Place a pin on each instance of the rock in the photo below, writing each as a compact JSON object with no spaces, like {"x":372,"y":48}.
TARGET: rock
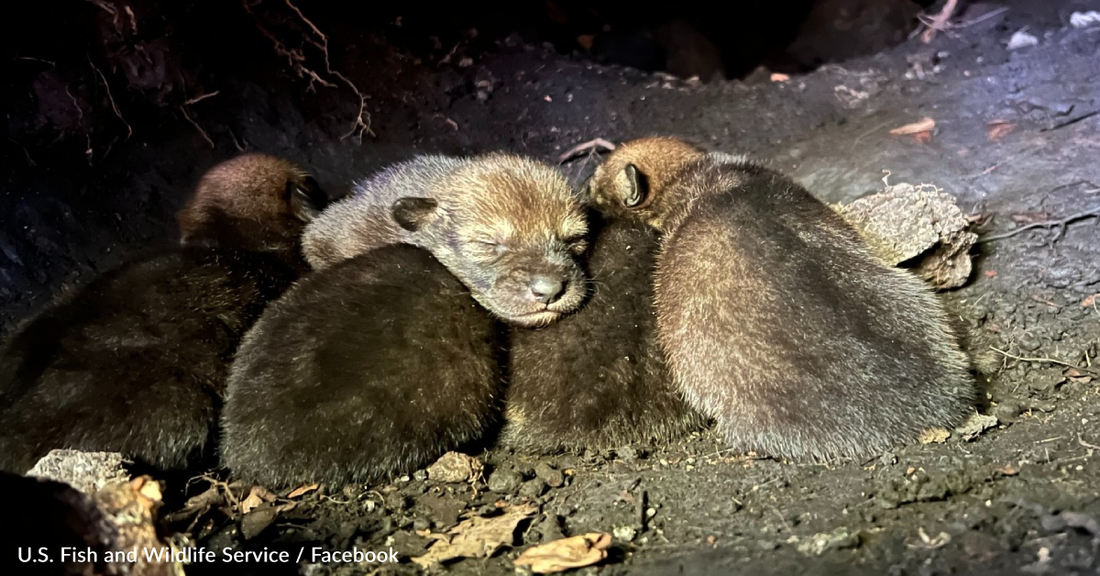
{"x":86,"y":471}
{"x":504,"y":481}
{"x":455,"y":467}
{"x":920,"y":224}
{"x":1084,"y":19}
{"x":975,"y":425}
{"x":532,"y":488}
{"x":838,"y":539}
{"x":256,"y":521}
{"x":552,"y":476}
{"x":1021,"y":39}
{"x":1005,"y":411}
{"x":627,"y":453}
{"x":624,"y":533}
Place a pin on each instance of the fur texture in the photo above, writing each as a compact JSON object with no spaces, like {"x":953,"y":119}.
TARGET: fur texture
{"x":370,"y":368}
{"x":598,"y":378}
{"x":508,"y":227}
{"x":776,"y":318}
{"x":136,"y":361}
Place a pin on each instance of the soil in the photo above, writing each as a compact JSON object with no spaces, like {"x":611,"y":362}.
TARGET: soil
{"x":1016,"y":141}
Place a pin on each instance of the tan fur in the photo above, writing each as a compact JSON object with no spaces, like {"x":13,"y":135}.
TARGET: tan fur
{"x":525,"y":207}
{"x":776,"y":318}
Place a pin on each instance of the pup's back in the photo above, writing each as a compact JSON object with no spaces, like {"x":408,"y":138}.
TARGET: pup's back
{"x":370,"y":368}
{"x":779,"y":322}
{"x":597,"y":378}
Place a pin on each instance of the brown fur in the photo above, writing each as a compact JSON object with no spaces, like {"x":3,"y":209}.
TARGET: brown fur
{"x":597,"y":378}
{"x":776,"y":318}
{"x":136,"y":361}
{"x":253,"y":201}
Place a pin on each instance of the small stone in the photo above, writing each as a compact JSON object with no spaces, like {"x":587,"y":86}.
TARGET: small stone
{"x":420,"y":524}
{"x":1006,"y":411}
{"x":552,"y":476}
{"x":503,"y":481}
{"x":455,"y":467}
{"x":85,"y":471}
{"x":1028,"y":341}
{"x":627,"y":453}
{"x":532,"y":488}
{"x":420,"y":475}
{"x":624,"y":533}
{"x":1021,"y":39}
{"x":838,"y":539}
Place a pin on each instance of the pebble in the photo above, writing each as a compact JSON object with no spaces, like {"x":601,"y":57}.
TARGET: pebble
{"x":552,"y":476}
{"x":532,"y":488}
{"x":504,"y":481}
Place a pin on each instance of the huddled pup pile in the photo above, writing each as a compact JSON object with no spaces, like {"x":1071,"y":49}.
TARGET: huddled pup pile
{"x":449,"y":298}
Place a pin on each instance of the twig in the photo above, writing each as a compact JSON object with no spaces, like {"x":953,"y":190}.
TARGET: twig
{"x":296,"y":59}
{"x":981,"y":18}
{"x":202,"y":132}
{"x":939,"y":21}
{"x":590,"y":145}
{"x":1082,"y":442}
{"x":198,"y":99}
{"x":1071,"y":121}
{"x":1045,"y":224}
{"x":1024,"y":359}
{"x":33,"y":59}
{"x":129,"y":130}
{"x":360,"y":125}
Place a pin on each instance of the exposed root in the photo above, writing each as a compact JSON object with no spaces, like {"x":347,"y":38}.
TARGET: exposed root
{"x":202,"y":132}
{"x":939,"y":21}
{"x":129,"y":129}
{"x":198,"y":99}
{"x":297,"y":61}
{"x":1060,"y":224}
{"x":590,"y":146}
{"x":1025,"y":359}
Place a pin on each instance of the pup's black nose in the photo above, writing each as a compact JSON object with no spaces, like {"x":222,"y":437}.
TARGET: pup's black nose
{"x":547,"y":289}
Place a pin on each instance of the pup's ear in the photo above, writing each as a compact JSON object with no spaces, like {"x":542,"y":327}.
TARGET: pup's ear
{"x":637,"y":187}
{"x":412,"y":213}
{"x":306,"y":199}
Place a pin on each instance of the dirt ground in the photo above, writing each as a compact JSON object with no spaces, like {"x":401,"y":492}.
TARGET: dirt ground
{"x":1017,"y":139}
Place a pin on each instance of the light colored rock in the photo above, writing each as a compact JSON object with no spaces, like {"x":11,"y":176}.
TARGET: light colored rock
{"x":86,"y":471}
{"x":921,"y":225}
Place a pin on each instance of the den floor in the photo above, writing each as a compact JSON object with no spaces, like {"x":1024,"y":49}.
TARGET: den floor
{"x":1016,"y":140}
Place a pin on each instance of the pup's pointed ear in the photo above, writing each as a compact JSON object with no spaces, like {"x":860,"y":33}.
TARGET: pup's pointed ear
{"x":412,"y":213}
{"x":306,"y":199}
{"x":637,"y":187}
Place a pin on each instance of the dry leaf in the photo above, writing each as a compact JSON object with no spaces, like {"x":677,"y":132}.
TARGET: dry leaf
{"x":1089,"y":301}
{"x":561,"y":555}
{"x":779,"y":77}
{"x":1076,"y":376}
{"x":256,"y":496}
{"x":999,"y":128}
{"x":975,"y":425}
{"x":585,"y":40}
{"x":302,"y":490}
{"x":925,"y":125}
{"x":934,"y":435}
{"x":990,"y":273}
{"x":1029,"y":217}
{"x":1007,"y":470}
{"x":477,"y":537}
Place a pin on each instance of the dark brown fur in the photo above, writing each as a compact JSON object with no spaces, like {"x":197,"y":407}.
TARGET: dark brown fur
{"x":776,"y":318}
{"x":367,"y":369}
{"x":136,"y":361}
{"x":597,"y":378}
